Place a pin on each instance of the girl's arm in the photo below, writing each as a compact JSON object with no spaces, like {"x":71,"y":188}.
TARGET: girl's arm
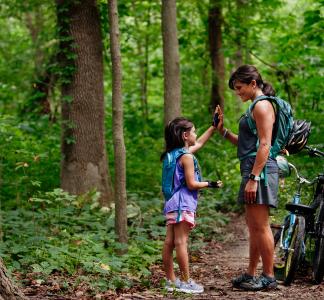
{"x":264,"y":117}
{"x":189,"y":170}
{"x":225,"y":133}
{"x":202,"y":139}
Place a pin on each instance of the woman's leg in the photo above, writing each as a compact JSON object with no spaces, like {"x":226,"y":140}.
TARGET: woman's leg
{"x":181,"y":234}
{"x":254,"y":253}
{"x":167,"y":253}
{"x":261,"y":238}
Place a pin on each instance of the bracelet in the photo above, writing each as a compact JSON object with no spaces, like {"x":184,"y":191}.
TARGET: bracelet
{"x":225,"y":133}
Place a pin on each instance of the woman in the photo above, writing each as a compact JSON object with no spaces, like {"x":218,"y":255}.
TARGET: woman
{"x":257,"y":195}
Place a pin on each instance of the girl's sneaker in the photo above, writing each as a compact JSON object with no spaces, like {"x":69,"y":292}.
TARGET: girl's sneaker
{"x":171,"y":286}
{"x":191,"y":287}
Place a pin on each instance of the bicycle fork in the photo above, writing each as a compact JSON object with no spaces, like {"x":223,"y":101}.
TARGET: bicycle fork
{"x":284,"y":243}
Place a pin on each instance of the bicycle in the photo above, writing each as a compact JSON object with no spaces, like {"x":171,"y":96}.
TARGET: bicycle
{"x":303,"y":222}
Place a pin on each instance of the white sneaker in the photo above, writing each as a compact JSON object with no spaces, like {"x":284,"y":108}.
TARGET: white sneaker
{"x":171,"y":286}
{"x":190,"y":287}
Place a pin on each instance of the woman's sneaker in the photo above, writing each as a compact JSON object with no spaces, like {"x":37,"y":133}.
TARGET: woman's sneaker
{"x":264,"y":282}
{"x":268,"y":283}
{"x":242,"y":278}
{"x":171,"y":286}
{"x":191,"y":287}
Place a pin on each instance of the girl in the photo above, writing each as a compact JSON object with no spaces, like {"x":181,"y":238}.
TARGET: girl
{"x":255,"y":194}
{"x":180,"y":209}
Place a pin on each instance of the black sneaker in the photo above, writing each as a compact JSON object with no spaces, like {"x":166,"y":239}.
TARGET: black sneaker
{"x":264,"y":282}
{"x":268,"y":283}
{"x":241,"y":278}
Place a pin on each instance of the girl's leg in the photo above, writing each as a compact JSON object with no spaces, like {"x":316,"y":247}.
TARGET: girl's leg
{"x":261,"y":237}
{"x":181,"y":234}
{"x":167,"y":253}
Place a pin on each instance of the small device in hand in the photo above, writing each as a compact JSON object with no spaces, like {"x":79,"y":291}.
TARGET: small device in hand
{"x":215,"y":184}
{"x":216,"y":119}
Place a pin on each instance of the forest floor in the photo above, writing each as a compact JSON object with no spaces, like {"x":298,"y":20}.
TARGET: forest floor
{"x":213,"y":266}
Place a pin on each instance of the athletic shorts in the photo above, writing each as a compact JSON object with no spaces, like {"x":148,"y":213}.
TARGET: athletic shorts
{"x":267,"y":195}
{"x":173,"y":217}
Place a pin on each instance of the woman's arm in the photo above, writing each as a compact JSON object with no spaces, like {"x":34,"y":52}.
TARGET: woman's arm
{"x":202,"y":139}
{"x":232,"y":137}
{"x":264,"y":117}
{"x":189,"y":170}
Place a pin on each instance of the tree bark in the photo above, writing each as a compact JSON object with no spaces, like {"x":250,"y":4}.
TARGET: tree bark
{"x":215,"y":21}
{"x":143,"y":56}
{"x":84,"y":159}
{"x":118,"y":132}
{"x":172,"y":82}
{"x":8,"y":291}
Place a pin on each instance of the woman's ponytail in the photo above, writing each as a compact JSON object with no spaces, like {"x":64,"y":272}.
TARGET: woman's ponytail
{"x":267,"y":89}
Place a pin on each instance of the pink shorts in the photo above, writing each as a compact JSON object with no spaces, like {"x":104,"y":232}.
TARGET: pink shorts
{"x":186,"y":216}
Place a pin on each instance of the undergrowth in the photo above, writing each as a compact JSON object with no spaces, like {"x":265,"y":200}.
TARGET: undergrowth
{"x":55,"y":232}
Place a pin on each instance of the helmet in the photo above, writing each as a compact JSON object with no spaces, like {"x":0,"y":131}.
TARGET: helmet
{"x":284,"y":169}
{"x":300,"y":132}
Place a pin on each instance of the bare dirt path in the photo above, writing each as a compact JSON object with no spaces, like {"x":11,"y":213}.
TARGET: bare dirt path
{"x":215,"y":265}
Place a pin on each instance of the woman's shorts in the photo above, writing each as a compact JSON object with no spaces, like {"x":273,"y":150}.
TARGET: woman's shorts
{"x":173,"y":217}
{"x":267,"y":195}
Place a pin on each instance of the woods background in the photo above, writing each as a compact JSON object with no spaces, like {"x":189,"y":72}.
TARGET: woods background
{"x":69,"y":149}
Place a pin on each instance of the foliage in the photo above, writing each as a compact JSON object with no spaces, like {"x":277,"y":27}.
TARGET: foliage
{"x":58,"y":232}
{"x":46,"y":232}
{"x":27,"y":165}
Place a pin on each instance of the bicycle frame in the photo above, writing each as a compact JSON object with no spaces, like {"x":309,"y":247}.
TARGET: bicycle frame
{"x":284,"y":244}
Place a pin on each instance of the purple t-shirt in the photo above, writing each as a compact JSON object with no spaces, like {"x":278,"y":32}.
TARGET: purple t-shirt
{"x":184,"y":199}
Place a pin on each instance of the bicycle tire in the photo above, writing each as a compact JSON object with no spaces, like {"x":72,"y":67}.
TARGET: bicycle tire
{"x":318,"y":263}
{"x":287,"y":262}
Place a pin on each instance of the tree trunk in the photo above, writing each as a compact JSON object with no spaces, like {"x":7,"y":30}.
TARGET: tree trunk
{"x":239,"y":33}
{"x":172,"y":83}
{"x":215,"y":21}
{"x":118,"y":133}
{"x":84,"y":159}
{"x":8,"y":291}
{"x":143,"y":57}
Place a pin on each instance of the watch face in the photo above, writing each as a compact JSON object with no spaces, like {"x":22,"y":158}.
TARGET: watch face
{"x":254,"y":177}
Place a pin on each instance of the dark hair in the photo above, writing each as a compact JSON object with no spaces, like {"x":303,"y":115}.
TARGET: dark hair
{"x":173,"y":134}
{"x":246,"y":74}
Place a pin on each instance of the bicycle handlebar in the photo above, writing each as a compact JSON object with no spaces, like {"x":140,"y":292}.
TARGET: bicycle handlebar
{"x":300,"y":178}
{"x":313,"y":152}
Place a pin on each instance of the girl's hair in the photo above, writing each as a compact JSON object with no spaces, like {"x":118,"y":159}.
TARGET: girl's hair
{"x":173,"y":134}
{"x":246,"y":74}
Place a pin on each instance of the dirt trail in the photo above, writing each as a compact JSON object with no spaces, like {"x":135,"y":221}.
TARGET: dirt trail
{"x":217,"y":264}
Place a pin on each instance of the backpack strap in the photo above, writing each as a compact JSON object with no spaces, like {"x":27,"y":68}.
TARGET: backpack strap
{"x":250,"y":121}
{"x":252,"y":126}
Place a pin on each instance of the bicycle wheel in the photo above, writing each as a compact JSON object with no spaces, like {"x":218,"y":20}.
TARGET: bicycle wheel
{"x":286,"y":261}
{"x":318,"y":264}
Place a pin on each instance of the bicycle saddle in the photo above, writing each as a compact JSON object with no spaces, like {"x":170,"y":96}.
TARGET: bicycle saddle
{"x":300,"y":209}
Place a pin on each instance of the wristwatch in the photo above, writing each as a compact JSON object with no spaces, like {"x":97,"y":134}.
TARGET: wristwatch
{"x":254,"y":177}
